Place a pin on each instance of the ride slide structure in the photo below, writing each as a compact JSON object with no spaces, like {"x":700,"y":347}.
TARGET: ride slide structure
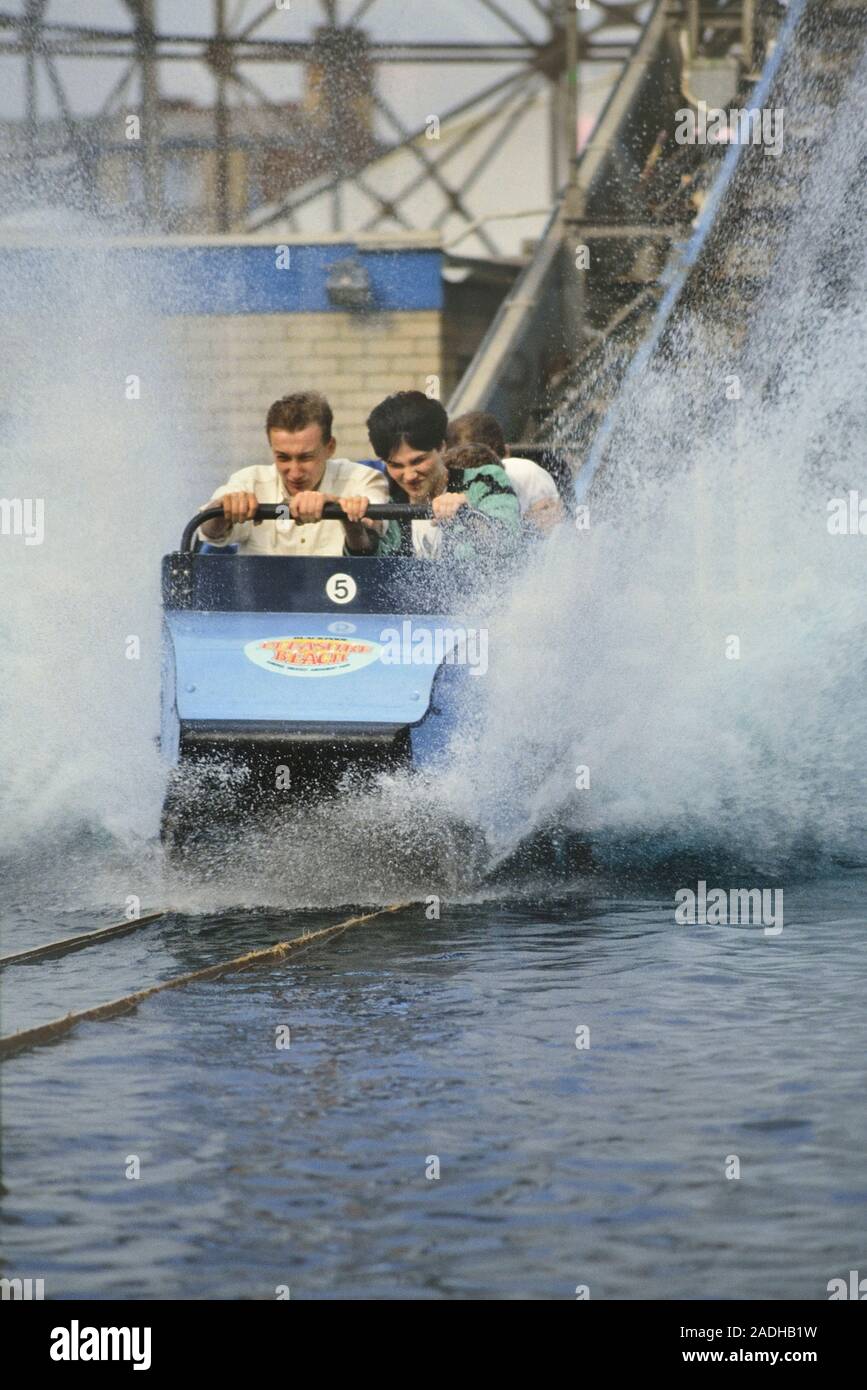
{"x":654,"y":224}
{"x":719,"y":276}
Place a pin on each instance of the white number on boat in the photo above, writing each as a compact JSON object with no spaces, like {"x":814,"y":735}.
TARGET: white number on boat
{"x":341,"y":588}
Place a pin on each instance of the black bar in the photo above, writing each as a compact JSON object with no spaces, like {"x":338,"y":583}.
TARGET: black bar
{"x":202,"y":1338}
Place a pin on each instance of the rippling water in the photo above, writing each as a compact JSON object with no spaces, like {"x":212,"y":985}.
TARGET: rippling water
{"x":306,"y":1166}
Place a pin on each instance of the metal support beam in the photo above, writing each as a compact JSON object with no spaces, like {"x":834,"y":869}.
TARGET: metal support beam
{"x":620,"y":231}
{"x":151,"y":135}
{"x":117,"y":90}
{"x":693,"y":26}
{"x":260,"y":18}
{"x":452,"y":195}
{"x":481,"y":123}
{"x":571,"y":93}
{"x":357,"y":15}
{"x":748,"y":34}
{"x":573,"y":291}
{"x":488,"y":153}
{"x":508,"y":20}
{"x":221,"y":116}
{"x":73,"y":133}
{"x":32,"y":35}
{"x":555,"y":138}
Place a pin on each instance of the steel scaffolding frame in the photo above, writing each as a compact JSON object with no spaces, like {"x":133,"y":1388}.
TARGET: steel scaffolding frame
{"x":542,"y":46}
{"x":539,"y":56}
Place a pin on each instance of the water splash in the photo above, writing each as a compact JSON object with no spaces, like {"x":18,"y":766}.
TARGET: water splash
{"x":613,"y":653}
{"x":700,"y":650}
{"x":92,"y":428}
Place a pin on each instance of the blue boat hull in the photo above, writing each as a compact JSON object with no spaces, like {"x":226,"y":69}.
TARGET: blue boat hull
{"x":285,"y":679}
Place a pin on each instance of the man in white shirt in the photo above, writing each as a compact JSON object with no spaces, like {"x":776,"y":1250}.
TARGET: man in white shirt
{"x":304,"y":476}
{"x":538,"y":498}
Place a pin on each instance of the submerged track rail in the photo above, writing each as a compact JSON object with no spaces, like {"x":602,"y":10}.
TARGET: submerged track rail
{"x":29,"y":1038}
{"x":67,"y":944}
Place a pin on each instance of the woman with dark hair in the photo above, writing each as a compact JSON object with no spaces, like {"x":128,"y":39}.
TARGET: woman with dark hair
{"x":408,"y":432}
{"x":541,"y":508}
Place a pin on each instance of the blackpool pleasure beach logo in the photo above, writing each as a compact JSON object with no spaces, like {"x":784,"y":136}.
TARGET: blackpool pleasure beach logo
{"x":311,"y":656}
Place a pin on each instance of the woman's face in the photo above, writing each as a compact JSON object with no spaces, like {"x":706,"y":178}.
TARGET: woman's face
{"x":420,"y":472}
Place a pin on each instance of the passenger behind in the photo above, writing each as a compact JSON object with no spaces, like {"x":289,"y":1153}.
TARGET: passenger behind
{"x":304,"y":476}
{"x":408,"y":432}
{"x":539,"y":500}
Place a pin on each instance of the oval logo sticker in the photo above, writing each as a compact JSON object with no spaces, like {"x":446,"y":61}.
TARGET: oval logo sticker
{"x":311,"y":656}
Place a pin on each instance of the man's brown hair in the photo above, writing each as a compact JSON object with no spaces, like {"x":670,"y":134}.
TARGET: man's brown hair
{"x":299,"y":410}
{"x":470,"y":456}
{"x":477,"y":427}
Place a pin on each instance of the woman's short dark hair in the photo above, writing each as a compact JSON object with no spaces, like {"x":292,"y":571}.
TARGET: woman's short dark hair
{"x":296,"y":412}
{"x":477,"y":427}
{"x":470,"y":456}
{"x":407,"y":417}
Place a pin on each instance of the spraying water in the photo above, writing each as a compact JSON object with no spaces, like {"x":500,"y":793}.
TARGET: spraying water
{"x":686,"y":675}
{"x":93,"y":437}
{"x":698,"y":679}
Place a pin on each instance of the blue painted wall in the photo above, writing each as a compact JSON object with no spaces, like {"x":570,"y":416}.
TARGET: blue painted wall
{"x":240,"y":279}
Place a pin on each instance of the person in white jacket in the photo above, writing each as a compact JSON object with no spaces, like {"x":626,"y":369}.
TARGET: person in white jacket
{"x":304,"y":476}
{"x":538,"y":498}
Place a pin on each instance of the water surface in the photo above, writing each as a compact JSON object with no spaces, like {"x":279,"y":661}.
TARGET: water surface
{"x":454,"y":1039}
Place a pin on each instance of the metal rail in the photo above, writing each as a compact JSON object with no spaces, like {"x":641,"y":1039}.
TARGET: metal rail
{"x":66,"y":945}
{"x":28,"y":1038}
{"x":332,"y":511}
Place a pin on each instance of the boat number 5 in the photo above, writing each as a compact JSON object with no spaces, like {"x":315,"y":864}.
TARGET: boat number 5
{"x":341,"y":588}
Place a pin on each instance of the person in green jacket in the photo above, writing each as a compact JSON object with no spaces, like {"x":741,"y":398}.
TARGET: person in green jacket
{"x":475,"y":508}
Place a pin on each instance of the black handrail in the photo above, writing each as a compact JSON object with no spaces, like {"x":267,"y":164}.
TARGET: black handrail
{"x":274,"y":511}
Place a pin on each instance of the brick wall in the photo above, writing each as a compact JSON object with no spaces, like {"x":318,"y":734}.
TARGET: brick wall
{"x":234,"y":366}
{"x":222,"y":326}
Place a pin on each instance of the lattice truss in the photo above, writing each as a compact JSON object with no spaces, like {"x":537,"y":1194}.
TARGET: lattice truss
{"x":453,"y":178}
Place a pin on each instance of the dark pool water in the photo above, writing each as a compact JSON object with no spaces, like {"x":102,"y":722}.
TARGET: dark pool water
{"x":452,"y":1040}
